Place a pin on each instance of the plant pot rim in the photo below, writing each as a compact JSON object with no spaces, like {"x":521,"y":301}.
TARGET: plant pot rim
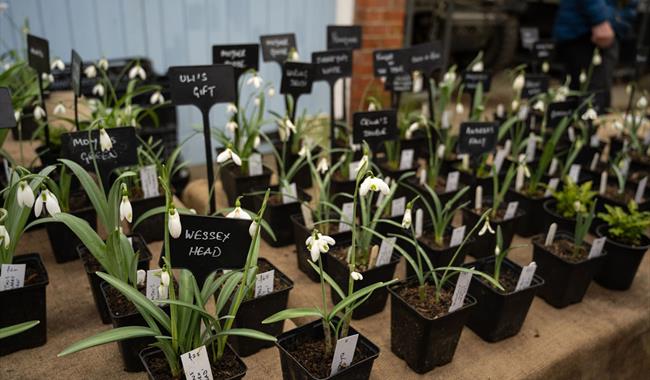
{"x":536,"y":283}
{"x":147,"y":351}
{"x":259,"y":194}
{"x":538,"y":239}
{"x":600,"y":232}
{"x":416,"y":182}
{"x":470,"y":240}
{"x":283,"y":278}
{"x":40,"y":267}
{"x":234,"y":169}
{"x":607,"y":200}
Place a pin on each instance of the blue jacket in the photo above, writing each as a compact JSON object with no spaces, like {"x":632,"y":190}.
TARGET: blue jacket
{"x":575,"y":18}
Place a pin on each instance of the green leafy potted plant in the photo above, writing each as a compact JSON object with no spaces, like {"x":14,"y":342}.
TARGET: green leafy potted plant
{"x":566,"y":203}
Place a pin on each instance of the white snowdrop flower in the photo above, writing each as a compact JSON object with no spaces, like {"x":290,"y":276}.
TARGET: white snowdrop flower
{"x":24,"y":195}
{"x":192,"y":211}
{"x":318,"y":243}
{"x":141,"y":277}
{"x":231,"y":126}
{"x":270,"y":92}
{"x":618,"y":125}
{"x":90,"y":71}
{"x":583,"y":77}
{"x":285,"y":128}
{"x":228,"y":154}
{"x":486,"y":228}
{"x":98,"y":89}
{"x":407,"y":219}
{"x":93,"y":104}
{"x":49,"y":200}
{"x":449,"y":78}
{"x":105,"y":142}
{"x":372,"y":183}
{"x":440,"y":152}
{"x":252,"y":229}
{"x":372,"y":107}
{"x":126,"y":211}
{"x":231,"y":108}
{"x":238,"y":213}
{"x":17,"y":115}
{"x":459,"y":108}
{"x":497,"y":250}
{"x":137,"y":71}
{"x":518,"y":83}
{"x":356,"y":276}
{"x":642,"y":103}
{"x":590,"y":114}
{"x":4,"y":236}
{"x":303,"y":150}
{"x":293,"y":55}
{"x":257,"y":101}
{"x":412,"y":128}
{"x":163,"y":292}
{"x":174,"y":223}
{"x":39,"y":113}
{"x":47,"y":77}
{"x":546,"y":67}
{"x":577,"y":206}
{"x":59,"y":109}
{"x":596,"y":60}
{"x":257,"y":141}
{"x":57,"y":64}
{"x":103,"y":64}
{"x":165,"y":278}
{"x":501,"y":110}
{"x":539,"y":106}
{"x":514,"y":105}
{"x":478,"y":66}
{"x":323,"y":165}
{"x":157,"y":97}
{"x":255,"y":80}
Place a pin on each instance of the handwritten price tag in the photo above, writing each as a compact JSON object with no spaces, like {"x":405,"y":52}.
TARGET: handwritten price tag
{"x":255,"y":164}
{"x":457,"y":236}
{"x":344,"y":353}
{"x":149,"y":181}
{"x":197,"y":365}
{"x":526,"y":276}
{"x":462,"y":285}
{"x":596,"y":247}
{"x":153,"y":282}
{"x":264,"y":283}
{"x":385,"y":251}
{"x":12,"y":276}
{"x":290,"y":194}
{"x":511,"y":210}
{"x":398,"y":206}
{"x":346,"y":217}
{"x":452,"y":181}
{"x":406,"y":159}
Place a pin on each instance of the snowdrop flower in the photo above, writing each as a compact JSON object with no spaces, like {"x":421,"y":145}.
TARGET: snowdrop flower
{"x":126,"y":211}
{"x":270,"y":92}
{"x":318,"y":243}
{"x":356,"y":276}
{"x":440,"y":152}
{"x":157,"y":97}
{"x":449,"y":78}
{"x":497,"y":250}
{"x":590,"y":114}
{"x":577,"y":206}
{"x":231,"y":126}
{"x":285,"y":128}
{"x":546,"y":67}
{"x":4,"y":236}
{"x":49,"y":200}
{"x":17,"y":115}
{"x":501,"y":110}
{"x":255,"y":80}
{"x":596,"y":60}
{"x":24,"y":195}
{"x":257,"y":141}
{"x":478,"y":66}
{"x":98,"y":89}
{"x":228,"y":154}
{"x":253,"y":229}
{"x":39,"y":113}
{"x":238,"y":213}
{"x":372,"y":183}
{"x":57,"y":64}
{"x":322,"y":166}
{"x":174,"y":223}
{"x":293,"y":55}
{"x":257,"y":101}
{"x":618,"y":125}
{"x":59,"y":109}
{"x":459,"y":108}
{"x":372,"y":107}
{"x":303,"y":150}
{"x":163,"y":292}
{"x":486,"y":228}
{"x":514,"y":105}
{"x":141,"y":277}
{"x":539,"y":106}
{"x":561,"y":93}
{"x":165,"y":279}
{"x":105,"y":142}
{"x":407,"y":219}
{"x":412,"y":128}
{"x":103,"y":64}
{"x":518,"y":83}
{"x":137,"y":71}
{"x":90,"y":71}
{"x":583,"y":77}
{"x":47,"y":77}
{"x":642,"y":103}
{"x":231,"y":108}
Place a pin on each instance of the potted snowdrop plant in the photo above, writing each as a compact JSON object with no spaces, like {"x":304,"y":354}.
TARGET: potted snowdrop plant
{"x":619,"y":191}
{"x":23,"y":278}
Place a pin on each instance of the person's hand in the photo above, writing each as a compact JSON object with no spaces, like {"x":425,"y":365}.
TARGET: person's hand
{"x":602,"y":35}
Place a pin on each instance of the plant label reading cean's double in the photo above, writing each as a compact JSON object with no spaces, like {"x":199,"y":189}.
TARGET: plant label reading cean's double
{"x":241,"y":57}
{"x":297,"y":78}
{"x":343,"y":37}
{"x":374,"y":127}
{"x":477,"y":138}
{"x":38,"y":54}
{"x":202,"y":86}
{"x":82,"y":147}
{"x":7,"y":117}
{"x":276,"y":47}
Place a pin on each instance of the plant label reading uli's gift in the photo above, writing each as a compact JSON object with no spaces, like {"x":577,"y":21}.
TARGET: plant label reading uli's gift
{"x":240,"y":57}
{"x":526,"y":276}
{"x":7,"y":117}
{"x":208,"y":243}
{"x":12,"y":276}
{"x":344,"y":353}
{"x":264,"y":283}
{"x":343,"y":37}
{"x":477,"y":138}
{"x":82,"y":147}
{"x":596,"y":247}
{"x":458,"y":299}
{"x":471,"y":80}
{"x":149,"y":181}
{"x":374,"y":127}
{"x":276,"y":47}
{"x":196,"y":364}
{"x":153,"y":283}
{"x":38,"y":54}
{"x":385,"y":251}
{"x":331,"y":65}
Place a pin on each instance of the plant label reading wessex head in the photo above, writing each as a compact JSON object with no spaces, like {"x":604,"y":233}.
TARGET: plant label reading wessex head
{"x":7,"y":117}
{"x":543,"y":49}
{"x":276,"y":47}
{"x":331,"y":65}
{"x":374,"y":127}
{"x":202,"y":86}
{"x":82,"y":147}
{"x":389,"y":62}
{"x":425,"y":57}
{"x":241,"y":57}
{"x":38,"y":54}
{"x":471,"y":79}
{"x":297,"y":78}
{"x":343,"y":37}
{"x":208,"y":243}
{"x":477,"y":138}
{"x":534,"y":84}
{"x":75,"y":72}
{"x":556,"y":111}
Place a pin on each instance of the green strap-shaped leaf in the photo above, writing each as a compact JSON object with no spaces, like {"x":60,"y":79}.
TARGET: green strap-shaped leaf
{"x":112,"y":335}
{"x":294,"y":313}
{"x":17,"y":329}
{"x":249,"y":333}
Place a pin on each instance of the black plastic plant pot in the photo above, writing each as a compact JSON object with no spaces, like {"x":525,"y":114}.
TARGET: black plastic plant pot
{"x":552,"y":216}
{"x":151,"y":229}
{"x":278,"y":216}
{"x":151,"y":358}
{"x":340,"y":272}
{"x":292,"y":369}
{"x":423,"y":342}
{"x":236,"y":183}
{"x":92,"y":266}
{"x":529,"y":224}
{"x":565,"y":282}
{"x":498,"y":315}
{"x":253,"y":311}
{"x":300,"y":235}
{"x":25,"y":304}
{"x":439,"y":256}
{"x":63,"y":240}
{"x":621,"y":263}
{"x":484,"y":245}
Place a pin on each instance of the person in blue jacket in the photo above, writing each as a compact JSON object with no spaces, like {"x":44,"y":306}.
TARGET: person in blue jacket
{"x":583,"y":25}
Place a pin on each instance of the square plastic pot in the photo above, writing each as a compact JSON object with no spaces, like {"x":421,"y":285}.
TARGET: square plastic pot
{"x":149,"y":354}
{"x":63,"y":240}
{"x":621,"y":263}
{"x":529,"y":224}
{"x":236,"y":183}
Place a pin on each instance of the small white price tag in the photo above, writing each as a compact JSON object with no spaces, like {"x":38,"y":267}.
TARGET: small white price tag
{"x":572,"y":134}
{"x":419,"y":222}
{"x":422,"y":176}
{"x":264,"y":283}
{"x":640,"y":189}
{"x":153,"y":282}
{"x":452,"y":181}
{"x":526,"y":276}
{"x":462,"y":285}
{"x":511,"y":210}
{"x":307,"y":217}
{"x":530,"y":148}
{"x":385,"y":251}
{"x":594,"y":162}
{"x":552,"y":185}
{"x":406,"y":159}
{"x":445,"y":120}
{"x":196,"y":364}
{"x":149,"y":181}
{"x":646,"y":139}
{"x":594,"y":141}
{"x":574,"y":172}
{"x":596,"y":247}
{"x":457,"y":236}
{"x":344,"y":353}
{"x":290,"y":194}
{"x":255,"y":164}
{"x":354,"y":168}
{"x":346,"y":218}
{"x":397,"y":206}
{"x":12,"y":276}
{"x":498,"y":160}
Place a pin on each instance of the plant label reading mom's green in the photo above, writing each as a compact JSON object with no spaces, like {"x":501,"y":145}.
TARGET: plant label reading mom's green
{"x":477,"y":138}
{"x":82,"y":147}
{"x":208,"y":243}
{"x":374,"y":127}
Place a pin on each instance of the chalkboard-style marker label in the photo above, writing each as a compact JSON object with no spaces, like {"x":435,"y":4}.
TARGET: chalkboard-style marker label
{"x":556,"y":111}
{"x":399,"y":83}
{"x":38,"y":54}
{"x":242,"y":57}
{"x":75,"y":72}
{"x":202,"y":86}
{"x":425,"y":57}
{"x":297,"y":78}
{"x":471,"y":79}
{"x":7,"y":117}
{"x":477,"y":138}
{"x":389,"y":62}
{"x":331,"y":65}
{"x":343,"y":37}
{"x":276,"y":47}
{"x":534,"y":84}
{"x":209,"y":243}
{"x":374,"y":127}
{"x":76,"y":146}
{"x":543,"y":49}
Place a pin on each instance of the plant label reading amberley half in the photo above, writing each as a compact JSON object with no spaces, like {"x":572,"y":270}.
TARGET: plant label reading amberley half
{"x":276,"y":47}
{"x":477,"y":138}
{"x":196,"y":364}
{"x":241,"y":57}
{"x":202,"y":86}
{"x":344,"y":353}
{"x":543,"y":49}
{"x":297,"y":78}
{"x":7,"y":117}
{"x":471,"y":79}
{"x":374,"y":127}
{"x":331,"y":65}
{"x":208,"y":243}
{"x":12,"y":276}
{"x":82,"y":147}
{"x":534,"y":84}
{"x":38,"y":54}
{"x":343,"y":37}
{"x":75,"y":72}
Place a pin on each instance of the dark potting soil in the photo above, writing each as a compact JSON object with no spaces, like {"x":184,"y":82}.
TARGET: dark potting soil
{"x":340,"y":253}
{"x":429,"y":238}
{"x":310,"y":352}
{"x":611,"y":192}
{"x":637,"y":176}
{"x":119,"y":304}
{"x":225,"y":368}
{"x":427,"y":307}
{"x":563,"y":248}
{"x":508,"y":278}
{"x":91,"y":261}
{"x":645,"y":159}
{"x":78,"y":201}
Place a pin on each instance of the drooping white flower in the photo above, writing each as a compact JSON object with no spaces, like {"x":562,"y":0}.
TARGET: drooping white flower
{"x":24,"y":195}
{"x":459,"y":108}
{"x":539,"y":106}
{"x":39,"y":113}
{"x":577,"y":206}
{"x":270,"y":92}
{"x":356,"y":276}
{"x":59,"y":109}
{"x":103,"y":63}
{"x":238,"y":213}
{"x":49,"y":200}
{"x":257,"y":101}
{"x":137,"y":71}
{"x":285,"y":128}
{"x":546,"y":67}
{"x":372,"y":183}
{"x":486,"y":227}
{"x":90,"y":71}
{"x":501,"y":110}
{"x":518,"y":83}
{"x":228,"y":154}
{"x":478,"y":66}
{"x":231,"y":108}
{"x":372,"y":107}
{"x":105,"y":142}
{"x":618,"y":125}
{"x":440,"y":152}
{"x":590,"y":114}
{"x":163,"y":292}
{"x":231,"y":126}
{"x":126,"y":211}
{"x":407,"y":219}
{"x":449,"y":78}
{"x":57,"y":64}
{"x":165,"y":279}
{"x":174,"y":223}
{"x":642,"y":103}
{"x":17,"y":115}
{"x":98,"y":89}
{"x":47,"y":77}
{"x":497,"y":250}
{"x":514,"y":105}
{"x":412,"y":128}
{"x":255,"y":80}
{"x":323,"y":165}
{"x":293,"y":55}
{"x":583,"y":77}
{"x":257,"y":141}
{"x":318,"y":243}
{"x":157,"y":97}
{"x":4,"y":236}
{"x":252,"y":229}
{"x":141,"y":277}
{"x":596,"y":59}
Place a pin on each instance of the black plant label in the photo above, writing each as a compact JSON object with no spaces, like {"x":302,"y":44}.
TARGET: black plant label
{"x":38,"y":54}
{"x":331,"y":65}
{"x":276,"y":47}
{"x":543,"y":49}
{"x":241,"y":57}
{"x":297,"y":78}
{"x":343,"y":37}
{"x":7,"y":117}
{"x":82,"y":147}
{"x":202,"y":86}
{"x":471,"y":79}
{"x":374,"y":127}
{"x":477,"y":138}
{"x":534,"y":85}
